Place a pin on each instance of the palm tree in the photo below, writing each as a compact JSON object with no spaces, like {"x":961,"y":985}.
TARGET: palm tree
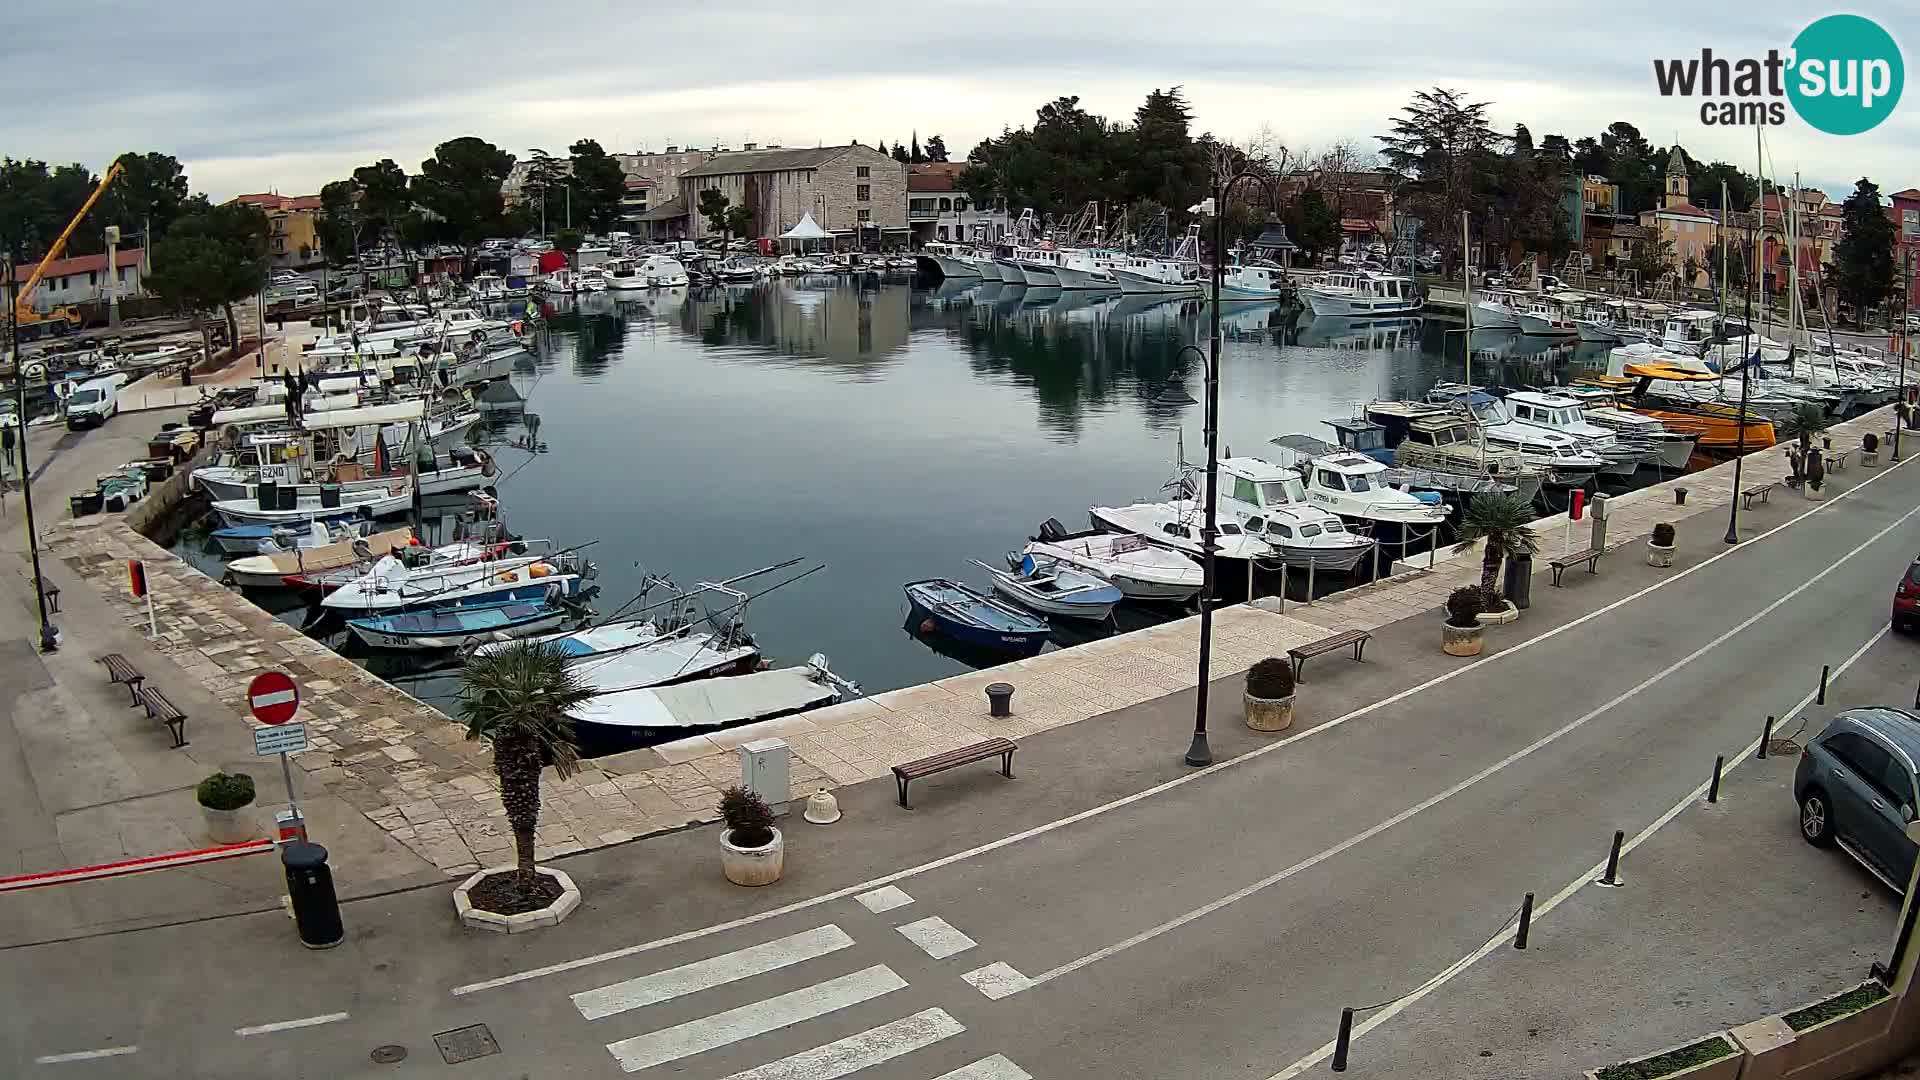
{"x":1500,"y":520}
{"x":521,"y":700}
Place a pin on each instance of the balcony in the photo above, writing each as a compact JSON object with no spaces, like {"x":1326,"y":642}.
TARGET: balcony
{"x":916,"y":214}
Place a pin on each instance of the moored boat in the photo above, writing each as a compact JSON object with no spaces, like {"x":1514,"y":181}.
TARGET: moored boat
{"x":950,"y":608}
{"x":1052,"y":588}
{"x":1141,"y":570}
{"x":454,"y":627}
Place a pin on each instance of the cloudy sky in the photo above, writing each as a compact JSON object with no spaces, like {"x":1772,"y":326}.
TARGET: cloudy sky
{"x":285,"y":98}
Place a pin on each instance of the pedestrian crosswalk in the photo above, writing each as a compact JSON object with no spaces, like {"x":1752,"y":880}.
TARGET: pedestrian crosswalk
{"x":812,"y":954}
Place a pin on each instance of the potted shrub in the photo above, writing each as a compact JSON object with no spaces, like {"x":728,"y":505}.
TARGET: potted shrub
{"x":752,"y":852}
{"x":1660,"y":545}
{"x":1496,"y":610}
{"x":1461,"y":633}
{"x":224,"y":798}
{"x":1501,"y":521}
{"x":1269,"y":697}
{"x":521,"y":700}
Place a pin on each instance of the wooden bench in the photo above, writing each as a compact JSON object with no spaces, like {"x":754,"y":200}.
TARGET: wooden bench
{"x":1560,"y":565}
{"x":159,"y":708}
{"x":119,"y":671}
{"x":1356,"y":638}
{"x":1758,"y":491}
{"x":1837,"y":460}
{"x":953,"y":759}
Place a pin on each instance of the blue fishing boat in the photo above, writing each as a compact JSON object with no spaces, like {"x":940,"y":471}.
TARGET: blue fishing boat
{"x":951,"y":608}
{"x":452,"y":627}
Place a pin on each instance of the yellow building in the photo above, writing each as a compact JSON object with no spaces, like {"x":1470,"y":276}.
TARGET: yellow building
{"x":293,"y":228}
{"x":1689,"y":229}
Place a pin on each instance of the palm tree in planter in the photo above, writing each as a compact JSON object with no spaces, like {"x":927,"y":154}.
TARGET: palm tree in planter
{"x":1501,"y":521}
{"x":1807,"y":421}
{"x":521,"y":700}
{"x":1269,"y":694}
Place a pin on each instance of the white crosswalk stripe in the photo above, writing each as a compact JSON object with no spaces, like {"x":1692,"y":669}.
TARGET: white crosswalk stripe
{"x":855,"y":1052}
{"x":705,"y":974}
{"x":996,"y":1067}
{"x":936,"y":937}
{"x":756,"y":1018}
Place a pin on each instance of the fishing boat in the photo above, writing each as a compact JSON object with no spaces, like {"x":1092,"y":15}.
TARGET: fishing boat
{"x":270,"y":508}
{"x":391,"y":584}
{"x":1149,"y":274}
{"x":1241,"y":283}
{"x":1270,"y":502}
{"x":1543,"y":317}
{"x":272,"y":571}
{"x":1498,"y":310}
{"x":1418,"y":435}
{"x":1554,"y":412}
{"x":597,"y":640}
{"x":717,"y":703}
{"x":454,"y":627}
{"x":1362,"y":293}
{"x":1357,"y":487}
{"x":1052,"y":588}
{"x":1141,"y":570}
{"x":950,"y":608}
{"x":271,"y":540}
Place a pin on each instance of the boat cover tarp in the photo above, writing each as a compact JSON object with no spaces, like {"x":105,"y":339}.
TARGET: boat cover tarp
{"x":709,"y":702}
{"x":399,"y":412}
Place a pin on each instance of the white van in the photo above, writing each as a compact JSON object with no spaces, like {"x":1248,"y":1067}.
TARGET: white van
{"x":93,"y":402}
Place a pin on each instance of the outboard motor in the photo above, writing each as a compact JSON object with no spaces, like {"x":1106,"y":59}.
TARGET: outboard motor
{"x":1052,"y":531}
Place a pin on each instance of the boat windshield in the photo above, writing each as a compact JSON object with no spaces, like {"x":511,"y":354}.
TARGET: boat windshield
{"x":1278,"y":492}
{"x":1359,"y":483}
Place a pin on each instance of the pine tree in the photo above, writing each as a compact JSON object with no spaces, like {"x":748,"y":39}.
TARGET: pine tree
{"x":914,"y":155}
{"x":1863,"y":259}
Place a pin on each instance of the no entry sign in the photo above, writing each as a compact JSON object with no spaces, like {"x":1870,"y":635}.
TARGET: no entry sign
{"x":273,"y":697}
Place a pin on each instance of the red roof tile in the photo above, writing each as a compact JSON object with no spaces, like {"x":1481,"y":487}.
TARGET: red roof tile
{"x":935,"y":176}
{"x":272,"y":201}
{"x":1910,"y":193}
{"x":80,"y":264}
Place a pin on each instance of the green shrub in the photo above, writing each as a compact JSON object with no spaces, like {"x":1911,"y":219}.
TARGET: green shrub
{"x":1710,"y":1049}
{"x":225,"y":791}
{"x":1465,"y":605}
{"x":749,"y":819}
{"x":1271,"y":678}
{"x":1663,"y":535}
{"x":1838,"y":1005}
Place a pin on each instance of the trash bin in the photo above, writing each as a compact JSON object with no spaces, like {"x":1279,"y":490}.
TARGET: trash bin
{"x":268,"y":494}
{"x":329,"y":496}
{"x":316,"y":910}
{"x":1518,"y":582}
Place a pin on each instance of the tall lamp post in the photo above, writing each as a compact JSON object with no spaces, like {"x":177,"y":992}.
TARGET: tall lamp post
{"x":49,"y":635}
{"x":1906,"y":313}
{"x":1740,"y":421}
{"x":1199,"y":753}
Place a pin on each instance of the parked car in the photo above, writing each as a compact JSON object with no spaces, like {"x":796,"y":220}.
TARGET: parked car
{"x":94,"y":403}
{"x":1906,"y":599}
{"x":1855,"y":786}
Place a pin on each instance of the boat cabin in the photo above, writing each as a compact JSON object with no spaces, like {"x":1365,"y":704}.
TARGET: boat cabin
{"x":1363,"y":436}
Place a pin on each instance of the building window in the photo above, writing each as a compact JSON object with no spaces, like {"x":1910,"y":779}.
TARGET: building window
{"x":943,"y":232}
{"x":946,"y":206}
{"x":866,"y":215}
{"x":960,"y":205}
{"x":863,"y":171}
{"x":93,"y":278}
{"x":863,"y":193}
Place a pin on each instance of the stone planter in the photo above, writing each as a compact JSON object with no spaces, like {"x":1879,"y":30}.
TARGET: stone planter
{"x":474,"y":918}
{"x":229,"y":826}
{"x":1269,"y":714}
{"x":1499,"y":618}
{"x":1726,"y":1067}
{"x":753,"y":866}
{"x":1836,"y":1046}
{"x":1658,"y":555}
{"x":1461,"y":640}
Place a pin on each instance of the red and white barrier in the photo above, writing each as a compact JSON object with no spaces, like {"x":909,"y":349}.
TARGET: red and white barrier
{"x":135,"y":866}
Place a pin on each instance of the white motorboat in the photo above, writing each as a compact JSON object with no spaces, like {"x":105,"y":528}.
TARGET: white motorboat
{"x":718,"y":703}
{"x":1674,"y":448}
{"x":272,"y":571}
{"x":1497,"y":310}
{"x":390,"y":584}
{"x":1355,"y":486}
{"x":1432,"y":438}
{"x":1271,"y":502}
{"x":663,"y":272}
{"x":1563,"y":414}
{"x":1176,"y":525}
{"x":376,"y":502}
{"x":1151,"y":274}
{"x":1254,"y":283}
{"x":673,"y":657}
{"x":624,"y":275}
{"x":1141,"y":570}
{"x":1362,"y":293}
{"x":596,"y":640}
{"x":1561,"y":457}
{"x":1544,"y":318}
{"x":1054,"y":588}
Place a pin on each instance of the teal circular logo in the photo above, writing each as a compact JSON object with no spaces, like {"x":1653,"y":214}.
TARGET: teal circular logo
{"x":1847,"y":74}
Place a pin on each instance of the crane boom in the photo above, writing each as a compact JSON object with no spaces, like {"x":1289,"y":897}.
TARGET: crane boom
{"x":25,"y":295}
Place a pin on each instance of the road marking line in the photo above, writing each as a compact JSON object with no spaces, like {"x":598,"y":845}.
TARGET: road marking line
{"x":288,"y":1025}
{"x":1433,"y":800}
{"x":936,"y":937}
{"x":884,"y":899}
{"x":996,"y":980}
{"x":714,"y":971}
{"x":855,"y":1052}
{"x":755,"y":1018}
{"x":84,"y":1055}
{"x":1571,"y":888}
{"x":996,"y":1067}
{"x":1184,"y":778}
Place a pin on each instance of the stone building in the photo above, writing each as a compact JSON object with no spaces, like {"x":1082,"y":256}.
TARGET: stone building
{"x":853,"y":191}
{"x":293,"y":228}
{"x":1691,"y":230}
{"x":937,"y":208}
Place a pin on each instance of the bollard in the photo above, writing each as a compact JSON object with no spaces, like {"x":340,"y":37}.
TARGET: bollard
{"x":1249,"y":581}
{"x":1611,"y":879}
{"x":316,"y":910}
{"x":1679,"y":496}
{"x":1824,"y":671}
{"x":1341,"y":1041}
{"x":1283,"y":588}
{"x":1766,"y":737}
{"x":1311,"y":559}
{"x":999,"y":700}
{"x":1526,"y":922}
{"x":1713,"y":789}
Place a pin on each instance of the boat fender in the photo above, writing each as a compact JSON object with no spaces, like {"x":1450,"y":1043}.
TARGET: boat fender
{"x":926,"y":626}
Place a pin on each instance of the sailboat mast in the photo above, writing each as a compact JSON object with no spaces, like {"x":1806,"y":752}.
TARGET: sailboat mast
{"x":1466,"y":275}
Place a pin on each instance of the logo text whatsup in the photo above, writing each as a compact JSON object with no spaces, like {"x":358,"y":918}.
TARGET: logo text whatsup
{"x":1843,"y":75}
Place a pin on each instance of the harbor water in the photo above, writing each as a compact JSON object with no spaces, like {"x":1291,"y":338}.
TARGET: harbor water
{"x":895,"y":431}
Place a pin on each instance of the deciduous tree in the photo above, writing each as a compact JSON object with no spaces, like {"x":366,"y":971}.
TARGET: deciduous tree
{"x":460,"y":185}
{"x":599,"y":185}
{"x":211,"y":261}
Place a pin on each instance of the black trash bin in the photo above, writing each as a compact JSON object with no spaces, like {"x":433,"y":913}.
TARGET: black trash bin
{"x":268,"y":494}
{"x":316,"y":910}
{"x":329,"y":496}
{"x":1518,"y":583}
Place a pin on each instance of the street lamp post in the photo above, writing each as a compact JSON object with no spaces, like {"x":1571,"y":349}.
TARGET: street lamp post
{"x":1906,"y":313}
{"x":49,"y":635}
{"x":1740,"y":421}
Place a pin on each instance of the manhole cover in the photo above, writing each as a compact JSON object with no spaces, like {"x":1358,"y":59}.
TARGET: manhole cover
{"x":465,"y":1044}
{"x":387,"y":1055}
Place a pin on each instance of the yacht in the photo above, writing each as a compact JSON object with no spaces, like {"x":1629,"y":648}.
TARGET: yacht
{"x":623,"y":275}
{"x":1562,"y":458}
{"x":1362,"y":292}
{"x":1356,"y":486}
{"x":1270,"y":501}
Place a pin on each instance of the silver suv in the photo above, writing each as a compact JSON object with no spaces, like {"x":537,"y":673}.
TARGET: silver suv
{"x":1855,"y":786}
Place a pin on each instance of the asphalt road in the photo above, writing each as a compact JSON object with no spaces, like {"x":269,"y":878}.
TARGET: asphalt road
{"x":1211,"y":927}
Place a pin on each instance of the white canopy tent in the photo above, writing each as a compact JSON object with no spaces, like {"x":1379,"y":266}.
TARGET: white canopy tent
{"x":807,"y":230}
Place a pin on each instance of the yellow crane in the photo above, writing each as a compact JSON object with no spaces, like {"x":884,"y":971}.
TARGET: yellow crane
{"x":61,"y":318}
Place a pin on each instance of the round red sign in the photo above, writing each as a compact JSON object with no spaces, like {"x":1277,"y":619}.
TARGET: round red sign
{"x":273,"y":697}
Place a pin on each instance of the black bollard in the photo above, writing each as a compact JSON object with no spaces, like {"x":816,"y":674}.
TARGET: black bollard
{"x":1612,"y":876}
{"x":999,"y":699}
{"x":316,"y":910}
{"x":1340,"y":1041}
{"x":1526,"y":922}
{"x":1766,"y":737}
{"x":1824,"y":671}
{"x":1713,"y":789}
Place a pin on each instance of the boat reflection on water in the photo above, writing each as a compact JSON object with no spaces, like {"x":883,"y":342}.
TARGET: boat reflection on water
{"x":1391,"y":333}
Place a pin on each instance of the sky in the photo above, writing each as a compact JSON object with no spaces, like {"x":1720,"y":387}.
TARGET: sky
{"x":254,"y":98}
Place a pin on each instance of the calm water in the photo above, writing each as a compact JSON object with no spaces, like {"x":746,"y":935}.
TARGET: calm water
{"x":894,"y":432}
